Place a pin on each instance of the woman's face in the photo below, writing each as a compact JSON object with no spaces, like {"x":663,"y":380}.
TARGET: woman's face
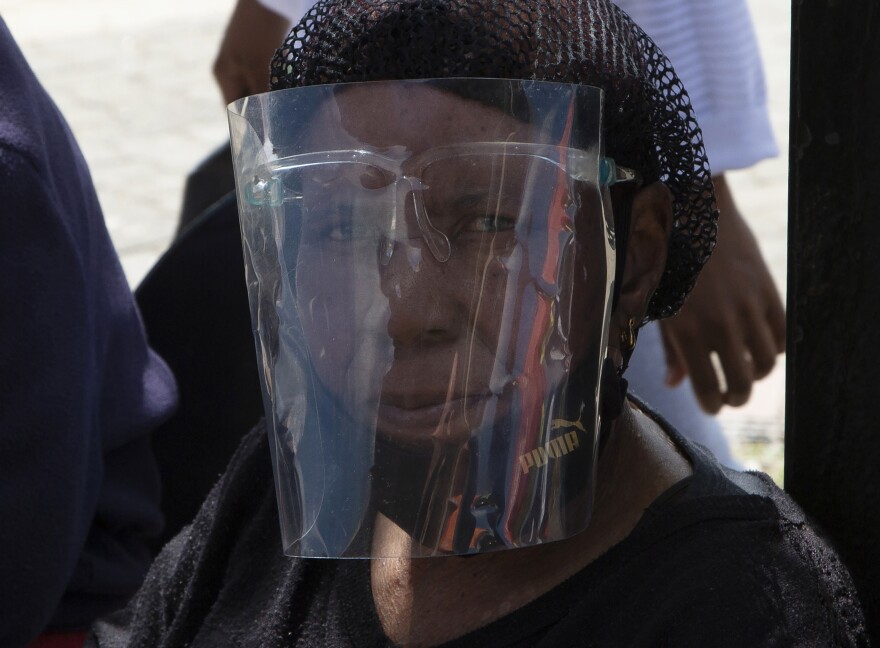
{"x":436,"y":295}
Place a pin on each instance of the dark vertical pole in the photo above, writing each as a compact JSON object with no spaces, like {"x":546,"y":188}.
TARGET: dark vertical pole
{"x":832,"y":455}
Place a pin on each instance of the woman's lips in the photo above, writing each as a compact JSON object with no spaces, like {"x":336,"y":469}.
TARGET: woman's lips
{"x":450,"y":420}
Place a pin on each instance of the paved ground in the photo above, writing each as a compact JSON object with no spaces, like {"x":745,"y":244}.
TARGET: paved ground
{"x":134,"y":81}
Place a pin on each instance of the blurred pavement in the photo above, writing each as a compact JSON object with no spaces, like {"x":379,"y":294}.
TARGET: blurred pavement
{"x":134,"y":81}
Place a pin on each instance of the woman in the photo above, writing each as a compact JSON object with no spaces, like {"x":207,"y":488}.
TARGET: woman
{"x":447,"y":277}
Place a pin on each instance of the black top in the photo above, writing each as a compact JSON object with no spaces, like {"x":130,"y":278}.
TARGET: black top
{"x":722,"y":559}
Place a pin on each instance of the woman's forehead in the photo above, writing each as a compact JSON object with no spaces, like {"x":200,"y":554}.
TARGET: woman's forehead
{"x":414,"y":116}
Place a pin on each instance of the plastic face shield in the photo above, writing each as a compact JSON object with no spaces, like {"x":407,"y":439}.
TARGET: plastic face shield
{"x":429,"y":266}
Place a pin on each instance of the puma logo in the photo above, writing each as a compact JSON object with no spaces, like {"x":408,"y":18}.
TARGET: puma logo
{"x":555,"y":448}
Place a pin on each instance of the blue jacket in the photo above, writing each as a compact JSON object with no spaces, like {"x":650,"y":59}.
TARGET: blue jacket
{"x":80,"y":390}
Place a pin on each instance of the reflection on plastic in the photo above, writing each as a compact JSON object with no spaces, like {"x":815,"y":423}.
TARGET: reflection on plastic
{"x":429,"y":299}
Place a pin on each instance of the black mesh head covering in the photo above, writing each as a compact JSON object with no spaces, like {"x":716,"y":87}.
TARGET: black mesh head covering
{"x":649,"y":123}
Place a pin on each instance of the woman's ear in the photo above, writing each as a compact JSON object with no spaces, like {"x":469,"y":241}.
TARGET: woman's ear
{"x":647,"y":248}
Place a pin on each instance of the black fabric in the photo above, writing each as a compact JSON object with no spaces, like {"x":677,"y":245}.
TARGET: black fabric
{"x":195,"y":309}
{"x":721,"y":559}
{"x":206,"y":185}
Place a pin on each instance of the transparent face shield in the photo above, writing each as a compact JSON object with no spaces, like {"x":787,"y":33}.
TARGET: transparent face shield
{"x":429,"y":266}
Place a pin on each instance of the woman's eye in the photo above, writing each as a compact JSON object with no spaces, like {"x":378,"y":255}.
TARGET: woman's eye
{"x":352,"y":229}
{"x":333,"y":228}
{"x":339,"y":231}
{"x":490,"y":223}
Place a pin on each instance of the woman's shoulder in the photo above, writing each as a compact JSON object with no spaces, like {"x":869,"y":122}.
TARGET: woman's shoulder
{"x":735,"y":555}
{"x":242,"y":499}
{"x":229,"y":546}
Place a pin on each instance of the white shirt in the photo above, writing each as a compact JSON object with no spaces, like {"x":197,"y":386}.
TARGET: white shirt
{"x":713,"y":49}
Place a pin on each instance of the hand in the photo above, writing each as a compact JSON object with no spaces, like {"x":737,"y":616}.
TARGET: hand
{"x":252,"y":36}
{"x":734,"y":311}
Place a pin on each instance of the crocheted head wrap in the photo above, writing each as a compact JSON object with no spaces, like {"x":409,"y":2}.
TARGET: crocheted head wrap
{"x":648,"y":120}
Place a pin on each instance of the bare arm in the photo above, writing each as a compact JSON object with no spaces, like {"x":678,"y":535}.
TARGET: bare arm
{"x":734,"y":311}
{"x":251,"y":38}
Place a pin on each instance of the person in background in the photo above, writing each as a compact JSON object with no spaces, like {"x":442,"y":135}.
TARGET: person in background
{"x":80,"y":389}
{"x":735,"y":310}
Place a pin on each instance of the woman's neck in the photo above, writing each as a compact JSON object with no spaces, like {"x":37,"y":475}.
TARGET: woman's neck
{"x":426,"y":601}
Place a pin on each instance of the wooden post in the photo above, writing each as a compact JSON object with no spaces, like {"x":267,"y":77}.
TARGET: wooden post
{"x":832,"y":454}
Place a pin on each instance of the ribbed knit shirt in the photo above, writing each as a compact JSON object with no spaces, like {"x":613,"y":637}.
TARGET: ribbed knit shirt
{"x":80,"y":390}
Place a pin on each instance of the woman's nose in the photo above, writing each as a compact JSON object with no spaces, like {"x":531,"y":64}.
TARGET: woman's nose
{"x":426,"y":300}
